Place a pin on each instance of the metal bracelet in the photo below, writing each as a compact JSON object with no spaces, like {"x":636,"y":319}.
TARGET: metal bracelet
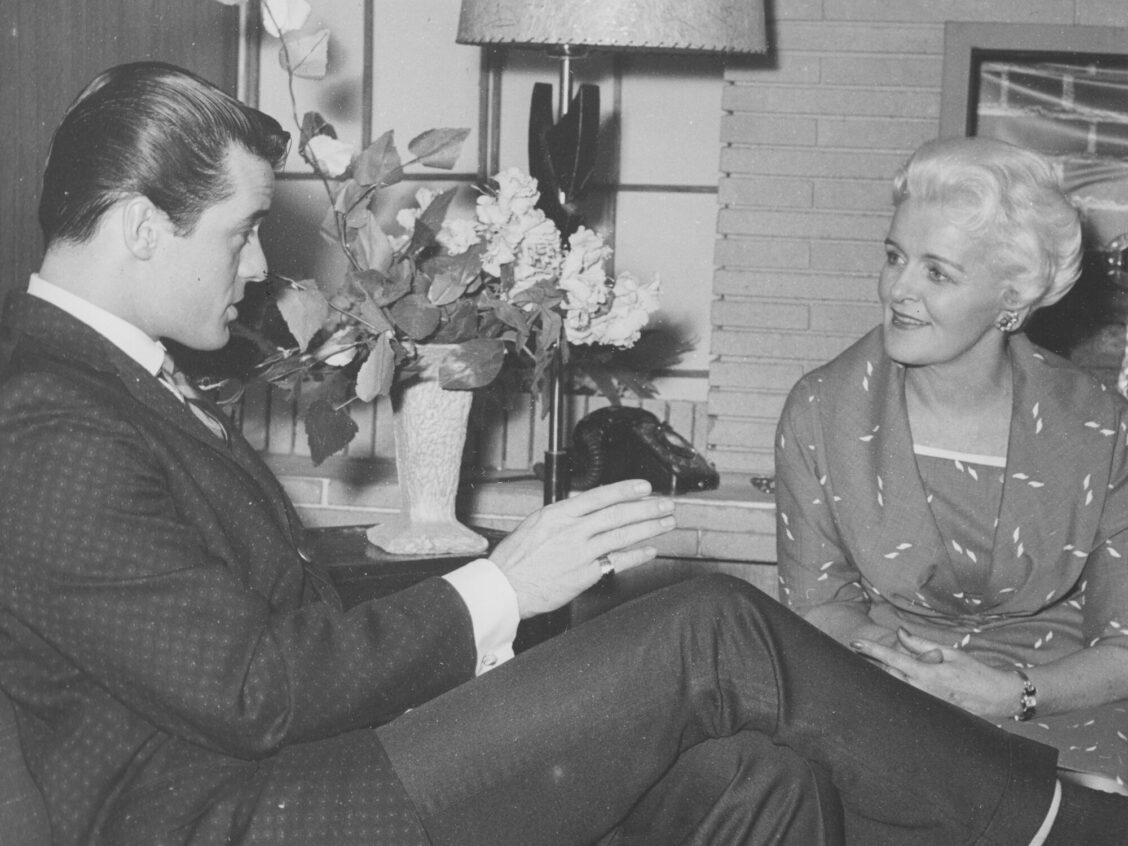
{"x":1028,"y":702}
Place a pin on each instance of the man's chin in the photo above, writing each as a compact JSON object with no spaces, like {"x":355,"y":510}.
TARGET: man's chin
{"x":206,"y":343}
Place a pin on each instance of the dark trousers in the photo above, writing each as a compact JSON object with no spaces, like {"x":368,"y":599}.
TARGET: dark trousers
{"x":706,"y":713}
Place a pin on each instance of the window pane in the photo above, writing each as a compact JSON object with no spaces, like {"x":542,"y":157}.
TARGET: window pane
{"x":338,"y":96}
{"x":671,"y":119}
{"x":422,"y":78}
{"x":672,"y":234}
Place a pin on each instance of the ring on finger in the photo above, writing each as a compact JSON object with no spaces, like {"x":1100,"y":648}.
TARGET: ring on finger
{"x":606,"y":568}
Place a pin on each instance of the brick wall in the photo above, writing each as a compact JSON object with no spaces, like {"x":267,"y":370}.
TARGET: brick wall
{"x":812,"y":137}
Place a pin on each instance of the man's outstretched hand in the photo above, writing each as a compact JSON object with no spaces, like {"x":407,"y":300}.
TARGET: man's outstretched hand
{"x":551,"y":557}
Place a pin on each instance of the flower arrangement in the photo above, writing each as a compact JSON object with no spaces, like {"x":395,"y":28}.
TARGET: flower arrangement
{"x":500,"y":285}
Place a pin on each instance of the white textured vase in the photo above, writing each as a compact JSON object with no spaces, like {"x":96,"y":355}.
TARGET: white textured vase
{"x":430,"y":429}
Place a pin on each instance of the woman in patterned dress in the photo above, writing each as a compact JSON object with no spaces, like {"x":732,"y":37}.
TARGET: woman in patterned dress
{"x":953,"y":500}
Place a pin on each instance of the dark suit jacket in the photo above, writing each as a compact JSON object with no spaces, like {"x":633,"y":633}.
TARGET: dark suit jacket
{"x":180,"y":673}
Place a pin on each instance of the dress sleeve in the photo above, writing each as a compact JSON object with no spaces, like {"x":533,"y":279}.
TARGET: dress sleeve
{"x":814,"y":567}
{"x":1104,"y":594}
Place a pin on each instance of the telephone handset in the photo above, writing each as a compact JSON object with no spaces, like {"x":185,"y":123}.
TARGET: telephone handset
{"x":619,"y":442}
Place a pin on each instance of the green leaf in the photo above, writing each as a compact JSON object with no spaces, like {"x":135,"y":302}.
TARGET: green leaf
{"x":314,"y":124}
{"x":380,"y":163}
{"x":415,"y":316}
{"x":375,"y":376}
{"x":471,"y":365}
{"x":430,"y":222}
{"x":374,"y":317}
{"x":328,"y":430}
{"x":305,"y":311}
{"x":306,"y":55}
{"x":510,"y":315}
{"x":371,"y":245}
{"x":543,"y":293}
{"x":349,"y":202}
{"x":438,"y":148}
{"x":383,"y":289}
{"x":459,"y":324}
{"x":451,"y":277}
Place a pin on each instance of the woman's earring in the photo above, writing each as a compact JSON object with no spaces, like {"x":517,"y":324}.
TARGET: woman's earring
{"x":1008,"y":321}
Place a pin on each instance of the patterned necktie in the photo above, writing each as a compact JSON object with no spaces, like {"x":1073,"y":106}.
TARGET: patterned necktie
{"x":192,"y":397}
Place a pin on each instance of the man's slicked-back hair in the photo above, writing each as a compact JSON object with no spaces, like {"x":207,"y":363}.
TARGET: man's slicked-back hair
{"x":149,"y":129}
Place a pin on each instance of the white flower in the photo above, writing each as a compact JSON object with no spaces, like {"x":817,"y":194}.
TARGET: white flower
{"x":280,"y":16}
{"x":333,"y":157}
{"x":406,"y":217}
{"x":538,"y":254}
{"x":458,"y":235}
{"x":582,"y":277}
{"x":517,"y":192}
{"x":516,"y":233}
{"x":631,"y":306}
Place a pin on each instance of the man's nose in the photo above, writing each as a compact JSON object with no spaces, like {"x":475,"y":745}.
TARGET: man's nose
{"x":252,"y":262}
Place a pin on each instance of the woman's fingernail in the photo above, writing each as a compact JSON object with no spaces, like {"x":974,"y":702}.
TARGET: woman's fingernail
{"x":665,"y":505}
{"x":856,"y":644}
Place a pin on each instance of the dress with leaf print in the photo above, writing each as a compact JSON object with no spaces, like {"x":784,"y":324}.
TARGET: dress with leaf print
{"x":1018,"y":560}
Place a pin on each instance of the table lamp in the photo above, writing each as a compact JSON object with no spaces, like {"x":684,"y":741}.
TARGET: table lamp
{"x":562,"y":143}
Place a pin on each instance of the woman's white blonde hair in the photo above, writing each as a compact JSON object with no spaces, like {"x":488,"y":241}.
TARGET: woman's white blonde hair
{"x":1010,"y":200}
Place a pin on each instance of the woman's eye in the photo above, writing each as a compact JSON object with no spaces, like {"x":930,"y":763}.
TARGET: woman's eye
{"x":892,"y":259}
{"x":935,"y":274}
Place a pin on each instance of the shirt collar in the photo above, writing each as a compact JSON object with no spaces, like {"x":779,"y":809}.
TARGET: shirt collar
{"x":122,"y":334}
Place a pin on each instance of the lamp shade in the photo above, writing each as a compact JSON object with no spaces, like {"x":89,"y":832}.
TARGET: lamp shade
{"x":709,"y":26}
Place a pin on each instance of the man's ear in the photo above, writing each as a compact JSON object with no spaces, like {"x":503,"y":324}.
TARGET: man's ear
{"x":143,"y":226}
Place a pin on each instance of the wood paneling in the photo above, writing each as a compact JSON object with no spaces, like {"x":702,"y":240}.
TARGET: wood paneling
{"x":49,"y":49}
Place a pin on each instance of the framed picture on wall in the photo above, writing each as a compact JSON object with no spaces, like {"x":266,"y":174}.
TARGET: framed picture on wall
{"x":1061,"y":90}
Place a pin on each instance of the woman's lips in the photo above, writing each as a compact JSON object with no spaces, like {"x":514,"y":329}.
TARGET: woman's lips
{"x":903,"y":321}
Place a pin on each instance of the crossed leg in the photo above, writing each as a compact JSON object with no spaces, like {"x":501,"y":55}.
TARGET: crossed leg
{"x":560,"y":744}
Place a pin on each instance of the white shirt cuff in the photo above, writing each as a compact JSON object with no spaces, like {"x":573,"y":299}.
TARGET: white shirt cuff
{"x":493,"y":610}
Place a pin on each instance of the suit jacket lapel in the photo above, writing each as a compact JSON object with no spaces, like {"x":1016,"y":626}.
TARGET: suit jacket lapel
{"x":52,"y":332}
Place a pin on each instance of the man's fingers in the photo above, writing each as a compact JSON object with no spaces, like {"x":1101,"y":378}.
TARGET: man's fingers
{"x":600,"y":498}
{"x":624,"y":514}
{"x":632,"y":534}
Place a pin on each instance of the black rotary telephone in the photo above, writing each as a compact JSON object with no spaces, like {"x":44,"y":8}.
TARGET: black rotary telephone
{"x":618,"y":442}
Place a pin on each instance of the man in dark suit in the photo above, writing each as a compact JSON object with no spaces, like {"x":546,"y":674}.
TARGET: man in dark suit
{"x":184,"y":674}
